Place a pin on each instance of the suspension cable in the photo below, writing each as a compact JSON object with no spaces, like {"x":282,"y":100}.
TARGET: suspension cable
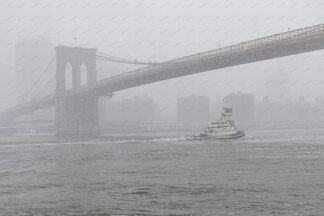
{"x":106,"y":57}
{"x":38,"y":80}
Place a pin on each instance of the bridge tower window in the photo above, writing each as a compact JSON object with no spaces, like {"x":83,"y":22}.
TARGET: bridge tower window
{"x":68,"y":76}
{"x":84,"y":74}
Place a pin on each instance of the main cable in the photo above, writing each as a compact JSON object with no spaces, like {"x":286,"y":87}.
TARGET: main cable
{"x":106,"y":57}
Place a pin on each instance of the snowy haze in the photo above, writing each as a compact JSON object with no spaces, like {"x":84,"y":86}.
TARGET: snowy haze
{"x":161,"y":30}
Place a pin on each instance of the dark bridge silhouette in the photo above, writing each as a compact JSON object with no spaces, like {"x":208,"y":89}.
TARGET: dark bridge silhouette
{"x":76,"y":110}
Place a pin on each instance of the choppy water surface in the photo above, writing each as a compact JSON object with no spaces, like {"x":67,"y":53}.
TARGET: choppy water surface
{"x":266,"y":173}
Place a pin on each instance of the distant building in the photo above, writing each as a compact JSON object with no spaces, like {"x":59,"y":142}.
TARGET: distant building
{"x":243,"y":106}
{"x":279,"y":111}
{"x":126,"y":112}
{"x":215,"y":109}
{"x":290,"y":113}
{"x":193,"y":109}
{"x":319,"y":102}
{"x":32,"y":58}
{"x":318,"y":113}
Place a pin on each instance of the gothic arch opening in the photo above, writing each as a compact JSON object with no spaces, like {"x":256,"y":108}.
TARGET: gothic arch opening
{"x":68,"y":76}
{"x":83,"y":74}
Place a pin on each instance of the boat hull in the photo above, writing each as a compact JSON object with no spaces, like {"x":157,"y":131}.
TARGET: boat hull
{"x":236,"y":135}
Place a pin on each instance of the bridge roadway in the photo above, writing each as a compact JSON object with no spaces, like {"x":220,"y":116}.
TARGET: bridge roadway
{"x":274,"y":46}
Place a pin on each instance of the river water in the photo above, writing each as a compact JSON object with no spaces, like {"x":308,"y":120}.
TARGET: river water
{"x":269,"y":172}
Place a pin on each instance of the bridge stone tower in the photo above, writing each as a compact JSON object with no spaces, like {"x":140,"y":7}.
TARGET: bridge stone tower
{"x":75,"y":115}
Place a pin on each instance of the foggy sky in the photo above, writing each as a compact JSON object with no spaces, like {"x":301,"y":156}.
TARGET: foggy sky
{"x":160,"y":30}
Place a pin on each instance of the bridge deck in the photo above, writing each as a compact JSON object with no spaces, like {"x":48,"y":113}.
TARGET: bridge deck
{"x":274,"y":46}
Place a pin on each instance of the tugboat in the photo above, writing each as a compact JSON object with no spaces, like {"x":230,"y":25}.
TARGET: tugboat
{"x":223,"y":129}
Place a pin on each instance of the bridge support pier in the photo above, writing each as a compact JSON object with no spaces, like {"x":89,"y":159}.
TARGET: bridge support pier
{"x":76,"y":115}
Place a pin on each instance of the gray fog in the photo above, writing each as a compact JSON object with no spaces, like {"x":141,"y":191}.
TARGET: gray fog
{"x":161,"y":107}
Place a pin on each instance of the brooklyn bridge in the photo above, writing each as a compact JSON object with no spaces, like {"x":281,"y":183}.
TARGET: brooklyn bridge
{"x":76,"y":109}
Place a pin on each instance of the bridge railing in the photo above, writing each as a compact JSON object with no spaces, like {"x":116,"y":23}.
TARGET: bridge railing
{"x":257,"y":43}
